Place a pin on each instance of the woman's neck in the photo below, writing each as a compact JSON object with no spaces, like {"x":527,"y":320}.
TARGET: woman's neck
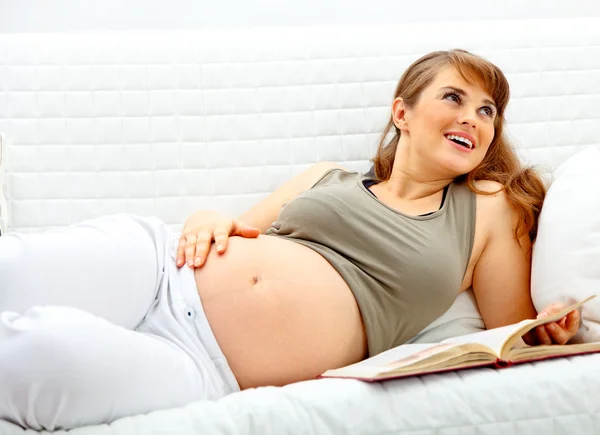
{"x":406,"y":188}
{"x":410,"y":179}
{"x":410,"y":184}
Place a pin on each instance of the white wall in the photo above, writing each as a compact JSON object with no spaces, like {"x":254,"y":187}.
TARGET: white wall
{"x":93,"y":15}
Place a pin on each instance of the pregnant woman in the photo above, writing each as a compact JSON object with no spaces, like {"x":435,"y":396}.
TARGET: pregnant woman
{"x":119,"y":315}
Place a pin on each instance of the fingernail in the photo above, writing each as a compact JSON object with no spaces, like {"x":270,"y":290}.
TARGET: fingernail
{"x":198,"y":261}
{"x":179,"y":262}
{"x":551,"y":327}
{"x":219,"y":248}
{"x":190,"y":263}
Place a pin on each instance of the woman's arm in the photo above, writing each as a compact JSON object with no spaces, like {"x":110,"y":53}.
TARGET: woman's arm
{"x":501,"y":278}
{"x":501,"y":275}
{"x":204,"y":227}
{"x":262,"y":214}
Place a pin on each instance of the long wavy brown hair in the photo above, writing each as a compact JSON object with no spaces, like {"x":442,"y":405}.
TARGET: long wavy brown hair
{"x":523,"y":185}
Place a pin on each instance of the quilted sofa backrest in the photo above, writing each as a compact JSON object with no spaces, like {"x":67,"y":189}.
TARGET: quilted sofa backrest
{"x":167,"y":122}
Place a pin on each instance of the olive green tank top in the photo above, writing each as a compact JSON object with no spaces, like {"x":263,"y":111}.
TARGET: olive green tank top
{"x":404,"y":271}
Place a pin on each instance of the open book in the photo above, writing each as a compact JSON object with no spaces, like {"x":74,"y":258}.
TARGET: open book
{"x":499,"y":347}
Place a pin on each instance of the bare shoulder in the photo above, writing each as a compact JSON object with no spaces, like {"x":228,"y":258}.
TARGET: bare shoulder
{"x":262,"y":214}
{"x":494,"y":195}
{"x":489,"y":186}
{"x":494,"y":209}
{"x":318,"y":170}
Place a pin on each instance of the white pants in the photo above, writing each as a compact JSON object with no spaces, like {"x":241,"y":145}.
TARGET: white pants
{"x":97,"y":323}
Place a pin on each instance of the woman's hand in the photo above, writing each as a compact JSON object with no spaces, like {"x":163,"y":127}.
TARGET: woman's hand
{"x":559,"y":332}
{"x":204,"y":227}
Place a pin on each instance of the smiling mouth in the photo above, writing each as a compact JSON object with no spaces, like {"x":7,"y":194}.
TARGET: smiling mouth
{"x":462,"y":141}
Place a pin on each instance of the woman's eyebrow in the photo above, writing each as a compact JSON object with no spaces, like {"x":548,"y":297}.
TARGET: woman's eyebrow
{"x":462,"y":93}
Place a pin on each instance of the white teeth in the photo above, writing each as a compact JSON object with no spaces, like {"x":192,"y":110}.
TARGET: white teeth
{"x":461,"y":139}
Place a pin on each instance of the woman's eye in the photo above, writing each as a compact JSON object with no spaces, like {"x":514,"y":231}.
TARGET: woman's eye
{"x":452,"y":96}
{"x":488,"y":111}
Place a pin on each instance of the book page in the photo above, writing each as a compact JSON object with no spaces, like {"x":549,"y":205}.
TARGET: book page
{"x":415,"y":358}
{"x":535,"y":352}
{"x":419,"y":355}
{"x":412,"y":352}
{"x":492,"y":338}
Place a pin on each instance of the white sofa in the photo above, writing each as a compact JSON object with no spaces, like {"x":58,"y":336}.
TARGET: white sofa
{"x":165,"y":123}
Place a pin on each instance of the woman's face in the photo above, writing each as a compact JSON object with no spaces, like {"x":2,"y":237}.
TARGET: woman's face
{"x":451,"y":126}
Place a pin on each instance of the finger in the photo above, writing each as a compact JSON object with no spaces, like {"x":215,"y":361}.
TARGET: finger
{"x":551,"y":310}
{"x":221,"y":238}
{"x":203,"y":242}
{"x":190,"y":248}
{"x":562,"y":322}
{"x":542,"y":335}
{"x":557,"y":334}
{"x":572,"y":322}
{"x":180,"y":256}
{"x":530,"y":338}
{"x":244,"y":230}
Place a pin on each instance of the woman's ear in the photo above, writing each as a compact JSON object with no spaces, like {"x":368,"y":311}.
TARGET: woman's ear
{"x":399,"y":114}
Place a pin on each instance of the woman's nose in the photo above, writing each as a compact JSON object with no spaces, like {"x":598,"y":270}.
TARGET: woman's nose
{"x":468,"y":119}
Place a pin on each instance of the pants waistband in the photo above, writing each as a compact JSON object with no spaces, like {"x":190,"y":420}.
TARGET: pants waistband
{"x":183,"y":278}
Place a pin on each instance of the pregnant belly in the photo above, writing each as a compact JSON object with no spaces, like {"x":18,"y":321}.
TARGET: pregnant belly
{"x":279,"y":311}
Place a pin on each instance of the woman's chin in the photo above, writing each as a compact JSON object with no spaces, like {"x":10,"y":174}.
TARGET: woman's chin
{"x":455,"y":168}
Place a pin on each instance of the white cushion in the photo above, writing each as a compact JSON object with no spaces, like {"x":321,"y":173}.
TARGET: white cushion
{"x":566,"y":256}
